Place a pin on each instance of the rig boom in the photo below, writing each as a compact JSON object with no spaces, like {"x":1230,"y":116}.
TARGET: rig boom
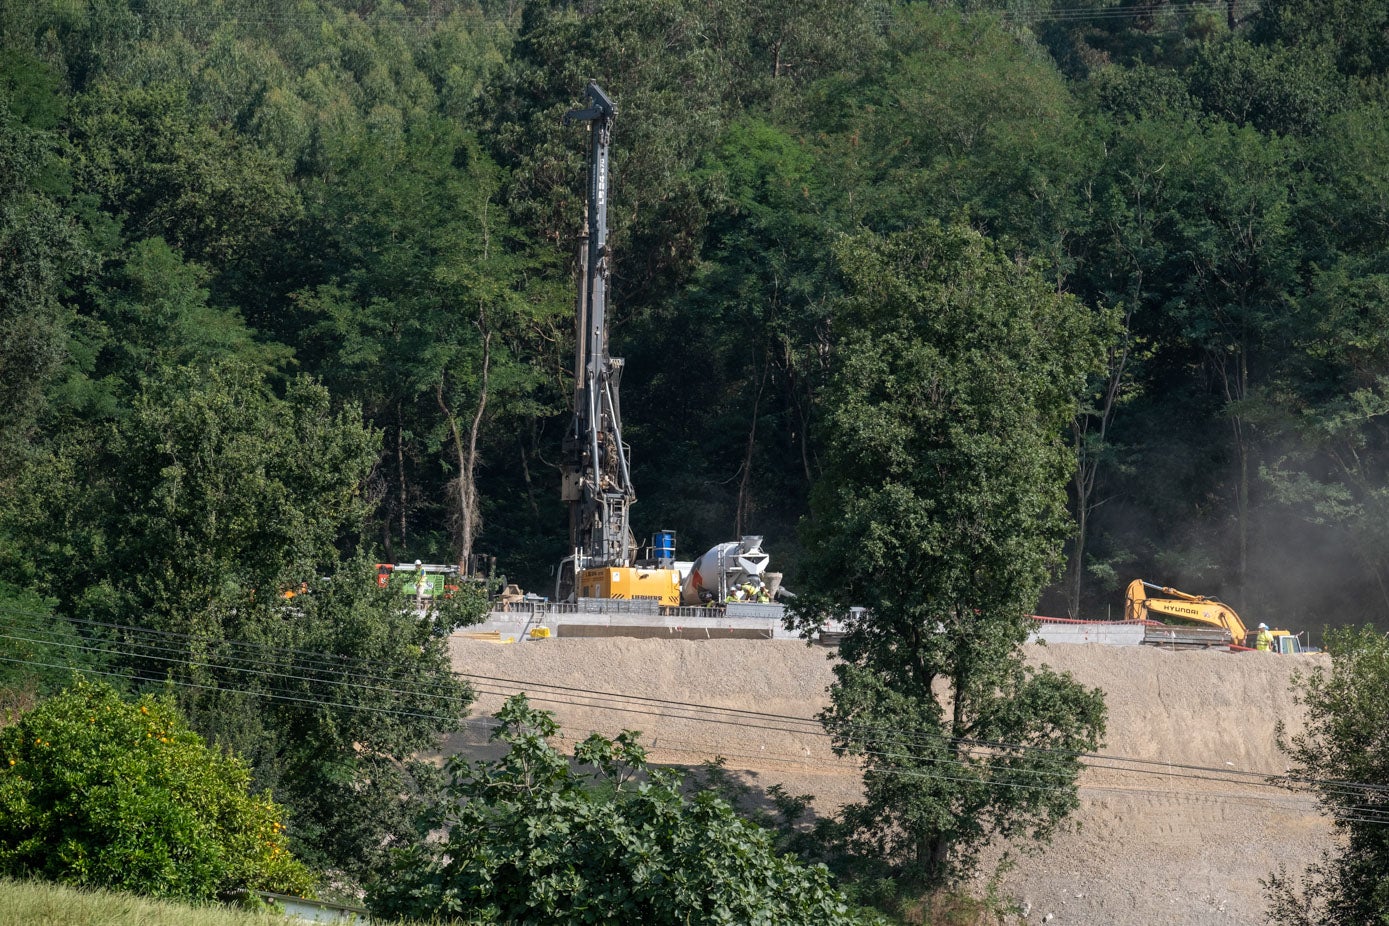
{"x":597,"y":482}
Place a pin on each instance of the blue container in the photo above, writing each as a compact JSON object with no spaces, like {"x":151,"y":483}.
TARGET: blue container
{"x":664,"y":544}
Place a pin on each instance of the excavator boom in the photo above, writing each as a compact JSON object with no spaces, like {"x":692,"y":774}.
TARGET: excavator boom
{"x":1180,"y":606}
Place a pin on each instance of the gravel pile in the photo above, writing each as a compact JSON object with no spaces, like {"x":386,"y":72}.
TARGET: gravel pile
{"x":1152,"y":844}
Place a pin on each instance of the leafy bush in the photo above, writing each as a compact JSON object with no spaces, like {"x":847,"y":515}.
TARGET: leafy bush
{"x":100,"y":792}
{"x":1341,"y":756}
{"x":530,"y":839}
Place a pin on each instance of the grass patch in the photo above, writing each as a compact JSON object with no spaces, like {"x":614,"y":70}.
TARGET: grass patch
{"x":38,"y":903}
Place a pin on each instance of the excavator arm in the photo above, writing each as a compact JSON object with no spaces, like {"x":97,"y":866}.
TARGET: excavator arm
{"x":1175,"y":605}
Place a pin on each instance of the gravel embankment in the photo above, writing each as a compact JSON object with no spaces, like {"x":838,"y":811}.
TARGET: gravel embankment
{"x":1153,"y":844}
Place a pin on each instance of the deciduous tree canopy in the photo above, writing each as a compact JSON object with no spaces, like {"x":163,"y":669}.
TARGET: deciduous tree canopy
{"x":97,"y":791}
{"x":940,"y":516}
{"x":286,"y":290}
{"x":1341,"y":756}
{"x":532,"y":838}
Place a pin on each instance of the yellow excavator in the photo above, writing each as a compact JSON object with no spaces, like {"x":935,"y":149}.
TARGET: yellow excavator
{"x":1198,"y":610}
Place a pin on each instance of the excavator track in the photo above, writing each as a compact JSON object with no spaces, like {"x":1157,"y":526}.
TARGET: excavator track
{"x":1169,"y":636}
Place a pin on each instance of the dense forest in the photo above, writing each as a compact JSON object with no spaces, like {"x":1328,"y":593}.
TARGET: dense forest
{"x":322,"y":213}
{"x":287,"y":287}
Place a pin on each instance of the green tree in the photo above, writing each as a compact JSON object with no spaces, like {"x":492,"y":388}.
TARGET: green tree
{"x":212,"y":491}
{"x":1275,"y":89}
{"x":940,"y":514}
{"x":1333,"y":401}
{"x":44,"y":247}
{"x":148,"y":313}
{"x":959,"y":116}
{"x":530,"y":838}
{"x":154,"y":314}
{"x":1330,"y":393}
{"x":334,"y":696}
{"x":171,"y":533}
{"x":1233,"y":259}
{"x":1351,"y":30}
{"x":1193,"y":230}
{"x":437,"y":321}
{"x":737,"y":422}
{"x":157,"y":162}
{"x":1341,"y":756}
{"x":42,"y":650}
{"x":100,"y":792}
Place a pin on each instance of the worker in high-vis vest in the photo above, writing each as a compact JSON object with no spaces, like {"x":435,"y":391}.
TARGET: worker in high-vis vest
{"x":1264,"y":641}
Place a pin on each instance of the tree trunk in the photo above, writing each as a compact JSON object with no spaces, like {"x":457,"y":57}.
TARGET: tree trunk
{"x":469,"y":512}
{"x":400,"y":465}
{"x":526,"y":475}
{"x":796,"y":408}
{"x":1077,"y":565}
{"x":744,"y":486}
{"x":1236,"y":386}
{"x":472,"y":522}
{"x":1088,"y":463}
{"x":1242,"y":509}
{"x":941,"y":842}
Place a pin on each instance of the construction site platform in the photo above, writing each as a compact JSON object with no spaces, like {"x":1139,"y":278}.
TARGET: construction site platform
{"x":600,"y":617}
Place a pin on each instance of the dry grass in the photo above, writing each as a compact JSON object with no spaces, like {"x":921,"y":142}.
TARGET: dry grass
{"x":954,"y":908}
{"x":16,"y":700}
{"x":35,"y":903}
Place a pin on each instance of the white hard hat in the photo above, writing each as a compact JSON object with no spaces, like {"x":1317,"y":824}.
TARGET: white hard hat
{"x":420,"y":563}
{"x":1263,"y":626}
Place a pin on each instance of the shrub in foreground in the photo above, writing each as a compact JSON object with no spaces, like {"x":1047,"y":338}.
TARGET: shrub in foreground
{"x":530,"y":839}
{"x":97,"y":791}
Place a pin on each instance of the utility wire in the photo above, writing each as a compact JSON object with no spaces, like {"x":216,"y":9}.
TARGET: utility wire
{"x":1135,"y":11}
{"x":273,"y":696}
{"x":1160,"y":768}
{"x":864,"y":746}
{"x":865,"y":749}
{"x":920,"y":774}
{"x":433,"y":17}
{"x":763,"y":756}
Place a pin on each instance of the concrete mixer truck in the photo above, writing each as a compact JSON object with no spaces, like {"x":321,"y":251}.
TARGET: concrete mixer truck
{"x":727,"y":567}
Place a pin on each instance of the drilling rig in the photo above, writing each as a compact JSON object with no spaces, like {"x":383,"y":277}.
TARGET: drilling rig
{"x":595,"y":470}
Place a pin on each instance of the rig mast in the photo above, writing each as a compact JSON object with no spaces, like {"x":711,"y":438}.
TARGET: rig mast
{"x":597,"y":482}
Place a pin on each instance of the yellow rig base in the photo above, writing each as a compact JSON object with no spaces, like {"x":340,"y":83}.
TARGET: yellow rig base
{"x":631,"y":583}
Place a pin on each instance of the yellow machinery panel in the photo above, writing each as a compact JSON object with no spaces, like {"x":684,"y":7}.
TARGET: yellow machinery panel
{"x":631,"y":583}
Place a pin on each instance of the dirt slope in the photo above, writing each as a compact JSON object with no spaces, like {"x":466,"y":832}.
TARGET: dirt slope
{"x":1153,"y":844}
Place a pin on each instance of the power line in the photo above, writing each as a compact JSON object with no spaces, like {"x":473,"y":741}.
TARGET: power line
{"x":774,"y":757}
{"x":1167,"y":769}
{"x":433,"y":17}
{"x":930,"y":737}
{"x":1155,"y":767}
{"x":764,"y":756}
{"x":196,"y":663}
{"x":274,"y":696}
{"x":1135,"y":11}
